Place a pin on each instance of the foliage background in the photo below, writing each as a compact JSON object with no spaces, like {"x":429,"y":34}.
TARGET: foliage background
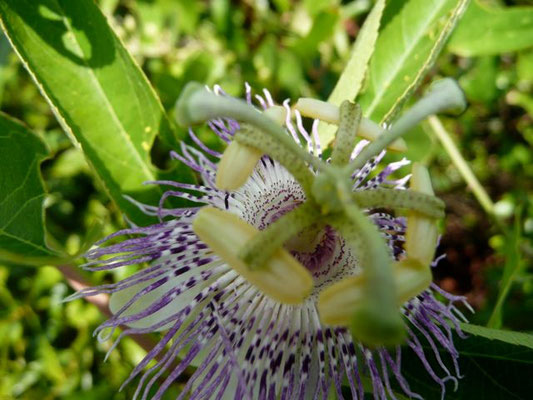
{"x":293,"y":48}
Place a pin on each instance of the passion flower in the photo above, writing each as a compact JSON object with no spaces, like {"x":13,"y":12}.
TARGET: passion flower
{"x":288,"y":280}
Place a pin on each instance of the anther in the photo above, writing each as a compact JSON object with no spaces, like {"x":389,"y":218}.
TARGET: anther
{"x":282,"y":277}
{"x":330,"y":113}
{"x":339,"y":302}
{"x":239,"y":160}
{"x":236,"y":166}
{"x":422,"y":233}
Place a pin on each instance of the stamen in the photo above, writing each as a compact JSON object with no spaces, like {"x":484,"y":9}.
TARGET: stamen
{"x":444,"y":96}
{"x":277,"y":113}
{"x":196,"y":105}
{"x":239,"y":160}
{"x":349,"y":125}
{"x":422,"y":203}
{"x":282,"y":277}
{"x":411,"y":278}
{"x":376,"y":320}
{"x":339,"y":302}
{"x":330,"y":113}
{"x":258,"y":250}
{"x":236,"y":166}
{"x":318,"y":109}
{"x":422,"y":232}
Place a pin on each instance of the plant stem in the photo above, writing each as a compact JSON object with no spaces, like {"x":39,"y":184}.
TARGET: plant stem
{"x":461,"y":164}
{"x":445,"y":95}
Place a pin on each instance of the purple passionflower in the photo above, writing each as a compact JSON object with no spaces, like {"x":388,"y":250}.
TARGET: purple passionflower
{"x":244,"y":343}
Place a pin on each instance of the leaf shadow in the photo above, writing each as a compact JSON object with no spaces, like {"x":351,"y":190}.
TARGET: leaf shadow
{"x":73,"y":29}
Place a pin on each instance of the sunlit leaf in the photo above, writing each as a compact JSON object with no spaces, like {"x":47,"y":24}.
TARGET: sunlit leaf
{"x":490,"y":31}
{"x":351,"y":79}
{"x":97,"y":92}
{"x":406,"y":49}
{"x":22,"y":232}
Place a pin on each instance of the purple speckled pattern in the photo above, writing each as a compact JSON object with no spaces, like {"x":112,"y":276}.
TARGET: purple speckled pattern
{"x":244,"y":344}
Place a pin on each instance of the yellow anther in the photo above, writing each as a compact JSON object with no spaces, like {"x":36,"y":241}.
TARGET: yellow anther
{"x":321,"y":110}
{"x":411,"y":278}
{"x":338,"y":303}
{"x":330,"y":113}
{"x":236,"y":166}
{"x":239,"y":160}
{"x":277,"y":113}
{"x":283,"y":278}
{"x":422,"y":232}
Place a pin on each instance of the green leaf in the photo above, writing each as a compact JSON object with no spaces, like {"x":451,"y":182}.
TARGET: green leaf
{"x":350,"y":81}
{"x":97,"y":92}
{"x":4,"y":59}
{"x":323,"y":27}
{"x":493,"y":30}
{"x":406,"y":49}
{"x":479,"y":83}
{"x":513,"y":265}
{"x":509,"y":337}
{"x":524,"y":65}
{"x":22,"y":232}
{"x":495,"y":365}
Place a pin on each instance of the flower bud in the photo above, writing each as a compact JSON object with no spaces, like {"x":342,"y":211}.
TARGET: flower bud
{"x":282,"y":277}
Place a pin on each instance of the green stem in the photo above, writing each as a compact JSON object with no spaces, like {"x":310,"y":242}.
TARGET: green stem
{"x":197,"y":105}
{"x":350,"y":117}
{"x":253,"y":137}
{"x":378,"y":321}
{"x":422,"y":203}
{"x":445,"y":95}
{"x":514,"y":262}
{"x":461,"y":165}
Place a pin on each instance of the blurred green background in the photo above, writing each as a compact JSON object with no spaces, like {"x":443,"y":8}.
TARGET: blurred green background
{"x":293,"y":48}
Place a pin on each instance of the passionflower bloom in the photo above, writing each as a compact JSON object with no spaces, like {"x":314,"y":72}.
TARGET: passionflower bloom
{"x":292,"y":275}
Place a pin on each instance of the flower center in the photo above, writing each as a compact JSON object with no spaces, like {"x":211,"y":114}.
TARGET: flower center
{"x":314,"y":249}
{"x":270,"y":193}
